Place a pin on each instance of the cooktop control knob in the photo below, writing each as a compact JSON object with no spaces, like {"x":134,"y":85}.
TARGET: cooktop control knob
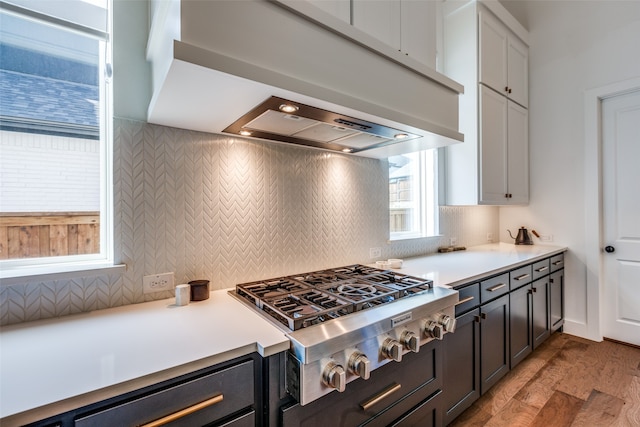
{"x":392,"y":349}
{"x":448,"y":323}
{"x":411,"y":341}
{"x":433,"y":329}
{"x":334,"y":376}
{"x":360,"y":365}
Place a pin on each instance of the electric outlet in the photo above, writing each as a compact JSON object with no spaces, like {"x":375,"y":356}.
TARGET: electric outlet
{"x":157,"y":283}
{"x":546,"y":237}
{"x":453,"y":241}
{"x":489,"y":237}
{"x":375,"y":252}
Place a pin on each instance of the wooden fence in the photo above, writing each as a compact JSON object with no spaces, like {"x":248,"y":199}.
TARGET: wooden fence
{"x":29,"y":235}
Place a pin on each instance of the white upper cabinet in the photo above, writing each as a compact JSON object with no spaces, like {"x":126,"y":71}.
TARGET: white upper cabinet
{"x":504,"y":160}
{"x":504,"y":59}
{"x":483,"y":49}
{"x":408,"y":26}
{"x":402,"y":30}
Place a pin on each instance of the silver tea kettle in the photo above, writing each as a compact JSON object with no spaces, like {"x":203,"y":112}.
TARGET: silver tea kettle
{"x":522,"y":238}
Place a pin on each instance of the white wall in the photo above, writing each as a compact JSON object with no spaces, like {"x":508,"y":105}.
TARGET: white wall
{"x":574,"y":46}
{"x":47,"y":173}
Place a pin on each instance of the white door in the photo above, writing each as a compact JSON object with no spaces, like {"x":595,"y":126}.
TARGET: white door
{"x":621,"y":217}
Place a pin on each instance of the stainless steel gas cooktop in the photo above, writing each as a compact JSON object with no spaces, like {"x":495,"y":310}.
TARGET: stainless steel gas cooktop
{"x":345,"y":322}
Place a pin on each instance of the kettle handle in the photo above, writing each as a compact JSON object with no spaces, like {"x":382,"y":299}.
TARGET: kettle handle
{"x":511,"y":234}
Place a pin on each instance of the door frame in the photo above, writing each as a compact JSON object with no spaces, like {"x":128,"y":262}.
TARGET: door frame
{"x":594,"y":230}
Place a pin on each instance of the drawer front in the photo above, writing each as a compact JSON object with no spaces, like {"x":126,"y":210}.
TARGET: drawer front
{"x":234,"y":384}
{"x":494,"y":287}
{"x":469,"y":298}
{"x":520,"y":276}
{"x":557,"y":262}
{"x":541,"y":269}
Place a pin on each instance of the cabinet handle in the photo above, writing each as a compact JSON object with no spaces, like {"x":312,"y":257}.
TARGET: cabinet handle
{"x":551,"y":280}
{"x":382,"y":395}
{"x":509,"y":90}
{"x":534,"y":289}
{"x":496,"y":287}
{"x":506,"y":88}
{"x":483,"y":315}
{"x":542,"y":269}
{"x":557,"y":262}
{"x":467,"y":299}
{"x":184,"y":412}
{"x":522,"y":276}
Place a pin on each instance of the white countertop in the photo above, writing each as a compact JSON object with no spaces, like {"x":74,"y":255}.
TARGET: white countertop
{"x":456,"y":268}
{"x":96,"y":355}
{"x":60,"y":364}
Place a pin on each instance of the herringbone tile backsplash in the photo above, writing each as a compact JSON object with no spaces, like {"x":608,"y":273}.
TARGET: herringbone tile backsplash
{"x":231,"y":210}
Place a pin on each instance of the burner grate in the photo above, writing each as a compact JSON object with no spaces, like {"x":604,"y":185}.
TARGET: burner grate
{"x":256,"y":292}
{"x":362,"y":293}
{"x":303,"y":308}
{"x":306,"y":299}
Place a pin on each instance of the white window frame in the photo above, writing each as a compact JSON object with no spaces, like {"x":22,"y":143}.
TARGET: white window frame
{"x":425,"y":199}
{"x":87,"y":24}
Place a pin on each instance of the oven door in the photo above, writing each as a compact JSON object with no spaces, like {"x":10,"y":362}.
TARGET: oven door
{"x":396,"y":394}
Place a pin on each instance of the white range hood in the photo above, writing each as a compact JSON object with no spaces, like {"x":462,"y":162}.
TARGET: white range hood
{"x":215,"y":62}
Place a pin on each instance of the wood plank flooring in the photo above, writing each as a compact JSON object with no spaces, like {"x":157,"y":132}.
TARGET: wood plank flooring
{"x":568,"y":381}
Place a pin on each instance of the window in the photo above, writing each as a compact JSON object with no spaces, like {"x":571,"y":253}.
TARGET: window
{"x":54,"y":133}
{"x":413,"y":207}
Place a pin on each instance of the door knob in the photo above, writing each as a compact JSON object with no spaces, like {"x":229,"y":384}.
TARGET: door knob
{"x":609,"y":249}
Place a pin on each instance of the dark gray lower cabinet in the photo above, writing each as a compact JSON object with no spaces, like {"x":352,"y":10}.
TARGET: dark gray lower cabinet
{"x":520,"y":324}
{"x":461,"y":362}
{"x":556,"y":300}
{"x":494,"y":342}
{"x":540,"y":312}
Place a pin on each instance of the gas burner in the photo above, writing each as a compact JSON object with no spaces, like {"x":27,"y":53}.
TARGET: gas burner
{"x":319,"y":278}
{"x":356,"y":290}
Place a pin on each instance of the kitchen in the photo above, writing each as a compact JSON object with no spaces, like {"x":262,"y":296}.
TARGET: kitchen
{"x":147,"y":239}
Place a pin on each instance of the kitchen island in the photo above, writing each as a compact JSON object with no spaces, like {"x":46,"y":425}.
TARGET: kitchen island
{"x":52,"y":366}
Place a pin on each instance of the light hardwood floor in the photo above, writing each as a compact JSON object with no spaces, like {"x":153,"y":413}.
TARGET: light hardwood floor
{"x":567,"y":381}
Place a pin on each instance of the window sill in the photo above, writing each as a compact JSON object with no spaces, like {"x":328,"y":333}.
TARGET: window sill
{"x":406,"y":237}
{"x":59,"y":271}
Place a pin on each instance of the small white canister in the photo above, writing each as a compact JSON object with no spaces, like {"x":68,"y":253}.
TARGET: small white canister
{"x":183,"y":294}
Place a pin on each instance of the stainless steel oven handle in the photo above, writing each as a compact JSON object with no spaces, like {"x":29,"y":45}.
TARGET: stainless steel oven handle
{"x":184,"y":412}
{"x":382,"y":395}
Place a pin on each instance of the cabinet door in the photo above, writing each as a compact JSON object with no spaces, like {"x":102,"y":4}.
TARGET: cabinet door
{"x":378,"y":18}
{"x":556,"y":299}
{"x":492,"y":45}
{"x":493,"y":147}
{"x":338,"y":8}
{"x":520,"y":324}
{"x":518,"y":71}
{"x":517,"y":154}
{"x":494,"y":342}
{"x":461,"y":364}
{"x":540,"y":321}
{"x":418,"y":31}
